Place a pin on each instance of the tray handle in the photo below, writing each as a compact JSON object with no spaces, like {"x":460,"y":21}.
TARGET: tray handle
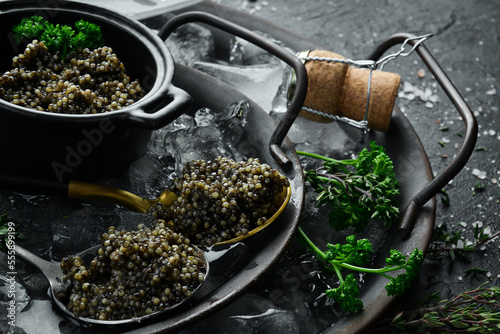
{"x":469,"y":140}
{"x":295,"y":104}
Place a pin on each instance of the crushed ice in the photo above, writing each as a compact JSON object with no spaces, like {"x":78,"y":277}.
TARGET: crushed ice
{"x":39,"y":318}
{"x":21,"y":296}
{"x":249,"y":69}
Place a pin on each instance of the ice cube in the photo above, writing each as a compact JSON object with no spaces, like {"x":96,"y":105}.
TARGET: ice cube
{"x":204,"y":117}
{"x":39,"y":318}
{"x":259,"y":83}
{"x":182,"y":122}
{"x":9,"y":285}
{"x":190,"y":43}
{"x":151,"y":174}
{"x":328,"y":138}
{"x":232,"y":121}
{"x":247,"y":53}
{"x":219,"y":136}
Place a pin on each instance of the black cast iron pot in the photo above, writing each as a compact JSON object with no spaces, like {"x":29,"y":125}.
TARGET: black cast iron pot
{"x":64,"y":146}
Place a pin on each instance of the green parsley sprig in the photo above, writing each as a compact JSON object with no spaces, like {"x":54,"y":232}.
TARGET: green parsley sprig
{"x":29,"y":28}
{"x":353,"y":256}
{"x":59,"y":38}
{"x":358,"y":190}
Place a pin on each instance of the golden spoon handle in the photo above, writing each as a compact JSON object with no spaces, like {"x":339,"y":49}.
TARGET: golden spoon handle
{"x":84,"y":190}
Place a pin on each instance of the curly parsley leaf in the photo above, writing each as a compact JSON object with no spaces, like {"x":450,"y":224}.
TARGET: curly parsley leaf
{"x":352,"y":256}
{"x":346,"y":294}
{"x":29,"y":28}
{"x":358,"y":190}
{"x":58,"y":37}
{"x":89,"y":35}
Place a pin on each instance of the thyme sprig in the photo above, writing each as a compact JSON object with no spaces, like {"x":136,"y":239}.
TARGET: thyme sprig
{"x":454,"y":244}
{"x":474,"y":311}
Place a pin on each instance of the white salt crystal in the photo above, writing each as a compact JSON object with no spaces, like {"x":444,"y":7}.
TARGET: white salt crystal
{"x":433,"y":98}
{"x":480,"y":174}
{"x":410,"y":96}
{"x":408,"y":87}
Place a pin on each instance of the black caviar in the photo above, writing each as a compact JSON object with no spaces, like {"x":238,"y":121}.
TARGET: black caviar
{"x":223,"y":199}
{"x":135,"y":273}
{"x":85,"y":82}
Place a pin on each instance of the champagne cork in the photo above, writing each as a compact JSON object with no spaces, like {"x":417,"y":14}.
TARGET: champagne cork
{"x":339,"y":89}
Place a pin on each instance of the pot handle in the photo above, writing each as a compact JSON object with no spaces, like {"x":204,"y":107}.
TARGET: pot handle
{"x":295,"y":104}
{"x":177,"y":103}
{"x":469,"y":140}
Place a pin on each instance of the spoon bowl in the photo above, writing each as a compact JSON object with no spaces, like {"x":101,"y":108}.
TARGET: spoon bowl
{"x":54,"y":275}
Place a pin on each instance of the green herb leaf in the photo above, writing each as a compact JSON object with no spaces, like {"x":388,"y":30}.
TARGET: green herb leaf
{"x":29,"y":28}
{"x":352,"y":256}
{"x":347,"y":295}
{"x":89,"y":36}
{"x":474,"y":311}
{"x":476,"y":272}
{"x":358,"y":190}
{"x":60,"y":38}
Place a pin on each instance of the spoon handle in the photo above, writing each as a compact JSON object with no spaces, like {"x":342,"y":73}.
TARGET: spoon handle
{"x":51,"y":270}
{"x":85,"y":190}
{"x":36,"y":185}
{"x":31,"y":184}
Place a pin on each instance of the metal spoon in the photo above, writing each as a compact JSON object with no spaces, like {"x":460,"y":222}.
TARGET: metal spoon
{"x":221,"y":264}
{"x":89,"y":191}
